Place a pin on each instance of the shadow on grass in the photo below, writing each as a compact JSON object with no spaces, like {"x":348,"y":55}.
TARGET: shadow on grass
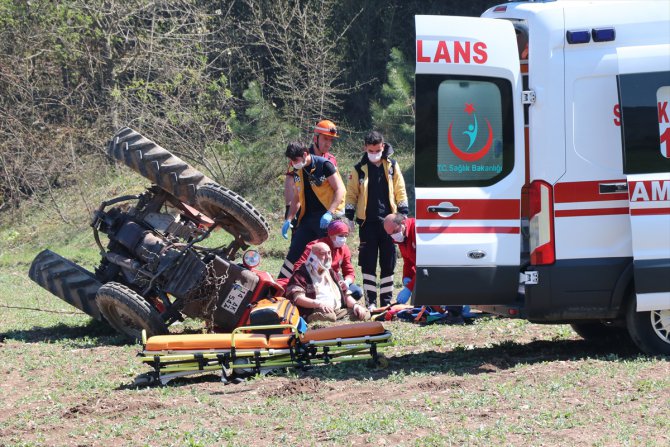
{"x":486,"y":360}
{"x":459,"y":362}
{"x":94,"y":333}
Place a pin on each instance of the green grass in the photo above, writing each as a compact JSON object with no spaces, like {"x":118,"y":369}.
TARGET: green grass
{"x":496,"y":382}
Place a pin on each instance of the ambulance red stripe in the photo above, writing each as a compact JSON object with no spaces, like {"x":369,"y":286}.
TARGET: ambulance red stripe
{"x":467,"y":230}
{"x":591,"y":212}
{"x":567,"y":192}
{"x":649,"y":211}
{"x":472,"y":209}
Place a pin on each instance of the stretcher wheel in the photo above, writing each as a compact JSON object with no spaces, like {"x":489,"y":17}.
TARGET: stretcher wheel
{"x":147,"y":379}
{"x":128,"y":312}
{"x":380,"y":363}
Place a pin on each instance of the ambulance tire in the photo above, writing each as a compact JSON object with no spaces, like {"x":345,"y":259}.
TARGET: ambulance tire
{"x":233,"y":213}
{"x":650,"y":331}
{"x":598,"y":331}
{"x":128,"y":312}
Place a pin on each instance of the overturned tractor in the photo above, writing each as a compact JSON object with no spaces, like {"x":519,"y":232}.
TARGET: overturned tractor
{"x":152,"y":270}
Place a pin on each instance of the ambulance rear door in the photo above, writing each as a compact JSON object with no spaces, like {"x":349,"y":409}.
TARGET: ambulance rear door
{"x":470,"y":166}
{"x":644,"y":99}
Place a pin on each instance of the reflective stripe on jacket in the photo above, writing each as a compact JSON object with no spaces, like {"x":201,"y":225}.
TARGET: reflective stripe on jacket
{"x":357,"y":189}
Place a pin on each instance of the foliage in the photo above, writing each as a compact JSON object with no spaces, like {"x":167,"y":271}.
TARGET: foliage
{"x":394,"y":115}
{"x":74,"y":71}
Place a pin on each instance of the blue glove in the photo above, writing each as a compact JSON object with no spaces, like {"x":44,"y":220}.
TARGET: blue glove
{"x":285,"y":228}
{"x":404,"y":295}
{"x":406,"y":281}
{"x":325,"y":220}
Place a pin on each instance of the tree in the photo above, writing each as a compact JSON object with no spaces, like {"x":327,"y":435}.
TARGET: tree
{"x":394,"y":114}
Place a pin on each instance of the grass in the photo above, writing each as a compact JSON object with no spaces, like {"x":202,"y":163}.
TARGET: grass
{"x":67,"y":379}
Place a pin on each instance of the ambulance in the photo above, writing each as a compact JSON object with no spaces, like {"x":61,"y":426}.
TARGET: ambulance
{"x":543,"y":165}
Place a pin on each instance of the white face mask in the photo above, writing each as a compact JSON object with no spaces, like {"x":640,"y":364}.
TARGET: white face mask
{"x":298,"y":165}
{"x":339,"y":241}
{"x":398,"y":237}
{"x":318,"y":267}
{"x":374,"y":157}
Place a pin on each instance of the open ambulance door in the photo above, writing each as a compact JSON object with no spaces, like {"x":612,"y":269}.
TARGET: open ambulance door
{"x":469,"y":161}
{"x":644,"y":99}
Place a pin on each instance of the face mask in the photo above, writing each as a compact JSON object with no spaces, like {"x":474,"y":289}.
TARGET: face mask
{"x":339,"y":241}
{"x":374,"y":157}
{"x":298,"y":165}
{"x":318,"y":267}
{"x":398,"y":237}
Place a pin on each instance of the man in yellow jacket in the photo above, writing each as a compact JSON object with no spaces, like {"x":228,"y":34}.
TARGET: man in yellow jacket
{"x":318,"y":197}
{"x":375,"y":189}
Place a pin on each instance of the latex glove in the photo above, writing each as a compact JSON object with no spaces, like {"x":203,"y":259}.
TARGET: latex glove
{"x":406,"y":281}
{"x":404,"y":295}
{"x":285,"y":228}
{"x":325,"y":220}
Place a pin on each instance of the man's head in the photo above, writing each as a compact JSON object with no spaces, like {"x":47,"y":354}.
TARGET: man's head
{"x":319,"y":259}
{"x":374,"y":146}
{"x":394,"y":225}
{"x":325,"y":132}
{"x":338,"y":231}
{"x":298,"y":154}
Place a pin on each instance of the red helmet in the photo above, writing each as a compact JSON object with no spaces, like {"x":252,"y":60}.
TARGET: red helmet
{"x":337,"y":227}
{"x":326,"y":127}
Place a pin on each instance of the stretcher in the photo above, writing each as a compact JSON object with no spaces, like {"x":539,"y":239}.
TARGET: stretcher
{"x":246,"y":352}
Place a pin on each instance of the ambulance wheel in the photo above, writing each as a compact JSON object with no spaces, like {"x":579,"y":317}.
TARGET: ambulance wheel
{"x":232,"y":213}
{"x":157,"y":164}
{"x":650,"y":331}
{"x":598,"y":331}
{"x":128,"y":312}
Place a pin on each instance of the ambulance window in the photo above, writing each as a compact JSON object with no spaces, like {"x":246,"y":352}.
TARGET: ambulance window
{"x":464,"y":131}
{"x":645,"y":125}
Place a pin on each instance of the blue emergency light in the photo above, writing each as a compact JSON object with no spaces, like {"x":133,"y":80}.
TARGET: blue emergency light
{"x":578,"y":36}
{"x":603,"y":34}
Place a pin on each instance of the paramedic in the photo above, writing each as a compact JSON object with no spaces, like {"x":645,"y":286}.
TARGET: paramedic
{"x":318,"y":292}
{"x":401,"y":229}
{"x":376,"y":188}
{"x":338,"y":231}
{"x":325,"y":133}
{"x":318,"y":196}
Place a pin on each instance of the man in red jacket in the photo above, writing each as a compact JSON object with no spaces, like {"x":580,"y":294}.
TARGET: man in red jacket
{"x":401,"y":230}
{"x":338,"y":231}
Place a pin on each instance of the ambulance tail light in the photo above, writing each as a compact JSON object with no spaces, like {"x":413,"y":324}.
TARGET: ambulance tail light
{"x":541,"y":211}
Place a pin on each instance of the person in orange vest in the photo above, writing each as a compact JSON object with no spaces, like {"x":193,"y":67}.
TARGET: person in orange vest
{"x":318,"y":197}
{"x":325,"y":133}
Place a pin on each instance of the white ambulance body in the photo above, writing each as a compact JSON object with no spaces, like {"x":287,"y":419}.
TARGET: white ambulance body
{"x":543,"y":164}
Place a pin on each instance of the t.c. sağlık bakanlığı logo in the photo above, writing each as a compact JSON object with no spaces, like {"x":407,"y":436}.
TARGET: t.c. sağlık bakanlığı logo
{"x":471,"y":132}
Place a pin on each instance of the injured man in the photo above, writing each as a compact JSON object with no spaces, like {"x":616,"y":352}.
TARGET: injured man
{"x":319,"y":293}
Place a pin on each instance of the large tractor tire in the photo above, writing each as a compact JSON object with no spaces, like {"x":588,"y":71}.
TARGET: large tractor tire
{"x":128,"y":312}
{"x":157,"y":164}
{"x":232,"y":212}
{"x":650,"y":331}
{"x":68,"y":281}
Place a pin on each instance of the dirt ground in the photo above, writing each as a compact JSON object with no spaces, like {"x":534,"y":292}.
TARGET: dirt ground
{"x":494,"y":382}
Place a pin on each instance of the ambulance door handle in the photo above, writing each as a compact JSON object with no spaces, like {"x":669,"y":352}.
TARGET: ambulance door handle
{"x":612,"y":188}
{"x":444,"y":210}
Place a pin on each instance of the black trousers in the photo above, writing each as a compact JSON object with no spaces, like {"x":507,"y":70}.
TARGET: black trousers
{"x":376,"y":245}
{"x":307,"y":231}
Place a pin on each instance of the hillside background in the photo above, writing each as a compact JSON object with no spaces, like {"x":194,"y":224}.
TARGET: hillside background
{"x":222,"y":84}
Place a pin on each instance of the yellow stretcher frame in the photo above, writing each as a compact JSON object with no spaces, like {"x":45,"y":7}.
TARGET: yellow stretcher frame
{"x":237,"y":363}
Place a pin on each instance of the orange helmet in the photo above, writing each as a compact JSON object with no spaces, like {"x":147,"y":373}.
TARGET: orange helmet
{"x":326,"y":127}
